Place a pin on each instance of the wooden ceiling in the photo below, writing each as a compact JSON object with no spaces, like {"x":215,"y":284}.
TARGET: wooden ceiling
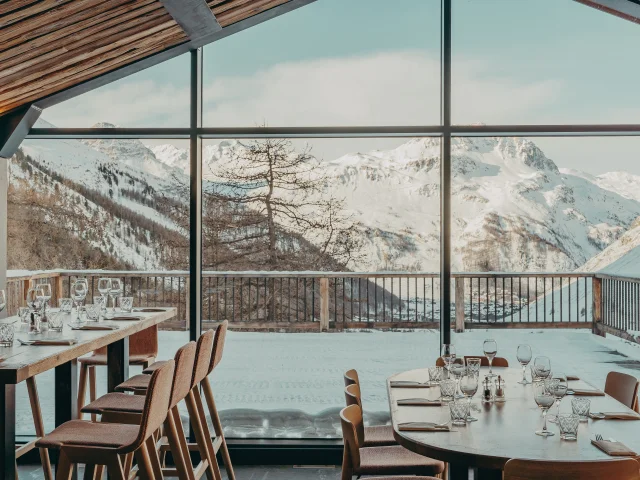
{"x":47,"y":46}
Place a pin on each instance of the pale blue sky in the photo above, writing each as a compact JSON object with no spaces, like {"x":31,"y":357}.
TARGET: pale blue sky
{"x":367,"y":62}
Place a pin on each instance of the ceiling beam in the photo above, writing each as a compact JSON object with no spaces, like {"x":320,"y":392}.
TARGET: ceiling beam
{"x":194,"y":16}
{"x":626,"y":9}
{"x":14,"y":127}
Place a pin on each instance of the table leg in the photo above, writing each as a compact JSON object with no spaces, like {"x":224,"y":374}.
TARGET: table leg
{"x":8,"y":431}
{"x":66,"y":395}
{"x":458,"y":471}
{"x":117,"y":363}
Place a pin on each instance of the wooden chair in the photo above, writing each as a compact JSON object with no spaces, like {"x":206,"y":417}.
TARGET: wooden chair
{"x":351,"y":377}
{"x":143,"y":349}
{"x":484,"y":361}
{"x":92,"y":444}
{"x":622,"y":387}
{"x":374,"y":436}
{"x":625,"y":469}
{"x":390,"y":460}
{"x":119,"y":407}
{"x":36,"y":413}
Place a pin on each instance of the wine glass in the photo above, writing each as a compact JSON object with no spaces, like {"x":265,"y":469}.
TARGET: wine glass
{"x":43,"y":291}
{"x":458,"y":369}
{"x":490,"y":348}
{"x":448,"y":355}
{"x":114,"y":292}
{"x":104,"y":286}
{"x":3,"y":300}
{"x":542,"y":367}
{"x":78,"y":294}
{"x":524,"y":357}
{"x":559,"y":387}
{"x":469,"y":387}
{"x":544,"y":398}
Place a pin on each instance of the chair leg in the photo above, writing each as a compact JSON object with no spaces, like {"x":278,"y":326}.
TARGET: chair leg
{"x":217,"y":427}
{"x":201,"y":438}
{"x":178,"y":445}
{"x":39,"y":426}
{"x":82,"y":387}
{"x":114,"y":468}
{"x":145,"y":470}
{"x":99,"y":472}
{"x":92,"y":389}
{"x":89,"y":472}
{"x":127,"y":463}
{"x":64,"y":467}
{"x":207,"y":432}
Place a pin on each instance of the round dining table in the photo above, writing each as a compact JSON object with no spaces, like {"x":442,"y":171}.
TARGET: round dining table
{"x":504,"y":430}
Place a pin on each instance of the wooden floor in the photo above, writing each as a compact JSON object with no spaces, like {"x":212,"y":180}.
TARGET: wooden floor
{"x":34,"y":472}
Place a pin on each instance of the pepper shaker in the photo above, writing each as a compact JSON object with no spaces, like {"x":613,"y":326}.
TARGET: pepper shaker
{"x":487,"y":390}
{"x":500,"y":395}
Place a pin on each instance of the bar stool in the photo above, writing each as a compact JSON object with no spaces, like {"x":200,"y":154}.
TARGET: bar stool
{"x":143,"y":350}
{"x":119,"y":407}
{"x":36,"y":413}
{"x":91,"y":443}
{"x":376,"y":435}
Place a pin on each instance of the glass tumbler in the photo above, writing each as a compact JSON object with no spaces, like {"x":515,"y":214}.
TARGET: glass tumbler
{"x":66,"y":304}
{"x":568,"y":423}
{"x":581,"y":407}
{"x":126,"y":304}
{"x":447,"y":390}
{"x":93,"y":310}
{"x":7,"y":332}
{"x":56,"y":321}
{"x":435,"y":375}
{"x":459,"y":412}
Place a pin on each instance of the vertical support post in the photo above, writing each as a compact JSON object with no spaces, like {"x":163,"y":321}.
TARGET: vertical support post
{"x":596,"y":309}
{"x":459,"y":286}
{"x":324,"y":304}
{"x":66,"y":396}
{"x":117,"y":363}
{"x":187,"y":312}
{"x":4,"y":187}
{"x":8,"y":431}
{"x":445,"y":177}
{"x":58,"y":284}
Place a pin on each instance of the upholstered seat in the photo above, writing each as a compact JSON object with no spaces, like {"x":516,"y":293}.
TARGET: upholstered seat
{"x":83,"y":432}
{"x":153,"y":367}
{"x":135,"y":383}
{"x":378,"y":436}
{"x":396,"y":460}
{"x":116,"y":401}
{"x":100,"y":359}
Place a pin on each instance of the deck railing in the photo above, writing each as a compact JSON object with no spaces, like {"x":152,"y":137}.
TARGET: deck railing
{"x":330,"y":301}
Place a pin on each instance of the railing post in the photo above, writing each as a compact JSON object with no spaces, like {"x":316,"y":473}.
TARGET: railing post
{"x":596,"y":309}
{"x":187,"y":303}
{"x":459,"y":294}
{"x":57,"y":288}
{"x":324,"y":304}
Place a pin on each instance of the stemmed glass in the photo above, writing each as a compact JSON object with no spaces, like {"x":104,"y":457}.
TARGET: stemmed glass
{"x":544,"y":399}
{"x":33,"y":302}
{"x":559,"y":388}
{"x":43,"y":291}
{"x":490,"y":348}
{"x":469,"y":387}
{"x":78,"y":294}
{"x":448,"y":354}
{"x":458,"y":369}
{"x":3,"y":300}
{"x":542,"y":367}
{"x":114,"y":292}
{"x":104,"y":287}
{"x":524,"y":357}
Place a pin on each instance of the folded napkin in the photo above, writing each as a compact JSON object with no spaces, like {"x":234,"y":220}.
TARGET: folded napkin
{"x":419,"y":402}
{"x":56,"y":342}
{"x":96,"y":327}
{"x":573,"y":377}
{"x":422,"y":427}
{"x":151,"y":310}
{"x":582,"y":392}
{"x":125,"y":317}
{"x":614,"y":449}
{"x":408,"y":384}
{"x":614,"y":416}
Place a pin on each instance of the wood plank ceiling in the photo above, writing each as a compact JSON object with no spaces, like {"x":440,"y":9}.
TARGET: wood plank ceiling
{"x":47,"y":46}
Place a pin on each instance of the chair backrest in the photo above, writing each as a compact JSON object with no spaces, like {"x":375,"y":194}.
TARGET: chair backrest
{"x":185,"y":360}
{"x":626,"y":469}
{"x":218,"y":345}
{"x":144,"y":342}
{"x":156,"y":405}
{"x":440,"y":362}
{"x":351,"y":377}
{"x":203,"y":357}
{"x":352,"y":395}
{"x":484,"y":361}
{"x":622,"y":387}
{"x":351,"y":422}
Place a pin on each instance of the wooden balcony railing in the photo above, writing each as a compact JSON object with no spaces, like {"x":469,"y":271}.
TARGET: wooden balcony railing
{"x":335,"y":301}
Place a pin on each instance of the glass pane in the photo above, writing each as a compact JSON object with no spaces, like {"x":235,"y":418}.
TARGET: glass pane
{"x":155,"y":97}
{"x":376,"y":63}
{"x":98,"y":208}
{"x":374,"y":263}
{"x":542,"y":62}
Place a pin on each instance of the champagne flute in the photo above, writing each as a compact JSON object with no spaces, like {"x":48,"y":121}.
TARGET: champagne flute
{"x":524,"y":357}
{"x":559,"y":389}
{"x":544,"y":398}
{"x":78,"y":294}
{"x":448,"y":355}
{"x":104,"y":286}
{"x":490,"y":348}
{"x":44,"y":294}
{"x":542,"y":367}
{"x":114,"y":292}
{"x":469,"y":387}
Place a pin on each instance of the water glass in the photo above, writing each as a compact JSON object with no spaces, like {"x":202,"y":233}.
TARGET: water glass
{"x":435,"y":375}
{"x":126,"y":304}
{"x":100,"y":300}
{"x":524,"y":357}
{"x":490,"y":349}
{"x":56,"y":321}
{"x":7,"y":331}
{"x":65,"y":304}
{"x":568,"y":423}
{"x":93,"y":310}
{"x":581,"y":407}
{"x":447,"y":390}
{"x":23,"y":313}
{"x":473,"y":366}
{"x":459,"y":412}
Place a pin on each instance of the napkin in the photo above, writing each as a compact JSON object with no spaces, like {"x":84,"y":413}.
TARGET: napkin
{"x":587,"y":393}
{"x":57,"y":342}
{"x":408,"y":384}
{"x":573,"y":377}
{"x":124,"y":317}
{"x":419,"y":402}
{"x":151,"y":310}
{"x":422,"y":427}
{"x":615,"y":416}
{"x":96,"y":327}
{"x":614,"y":449}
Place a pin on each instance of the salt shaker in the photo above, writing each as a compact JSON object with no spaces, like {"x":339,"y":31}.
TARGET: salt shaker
{"x":487,"y":390}
{"x":500,"y":395}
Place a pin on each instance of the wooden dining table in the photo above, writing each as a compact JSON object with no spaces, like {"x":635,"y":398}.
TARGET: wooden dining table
{"x":20,"y":362}
{"x":504,"y":430}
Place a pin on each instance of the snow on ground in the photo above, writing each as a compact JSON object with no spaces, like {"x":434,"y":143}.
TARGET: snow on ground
{"x":290,"y":384}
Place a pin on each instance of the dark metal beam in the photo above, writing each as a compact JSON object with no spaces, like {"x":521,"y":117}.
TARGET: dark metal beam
{"x":626,"y":9}
{"x":14,"y":127}
{"x":194,"y":16}
{"x":168,"y":54}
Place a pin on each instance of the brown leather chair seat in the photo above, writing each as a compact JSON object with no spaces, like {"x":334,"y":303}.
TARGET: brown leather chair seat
{"x":153,"y":367}
{"x":82,"y":432}
{"x":135,"y":384}
{"x":378,"y":436}
{"x":398,"y":460}
{"x":118,"y":402}
{"x":100,"y":359}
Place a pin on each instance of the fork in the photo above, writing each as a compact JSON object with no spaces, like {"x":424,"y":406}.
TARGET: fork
{"x":599,"y":437}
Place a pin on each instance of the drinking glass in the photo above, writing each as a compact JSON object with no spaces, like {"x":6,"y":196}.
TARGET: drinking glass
{"x":458,"y":369}
{"x":447,"y":390}
{"x":473,"y":366}
{"x":448,"y":354}
{"x":544,"y":398}
{"x":469,"y":387}
{"x":23,"y":313}
{"x":99,"y":300}
{"x":104,"y":287}
{"x":560,"y":387}
{"x":94,"y":310}
{"x":568,"y":423}
{"x":3,"y":300}
{"x":490,"y":348}
{"x":44,"y":295}
{"x":34,"y":307}
{"x":459,"y":412}
{"x":524,"y":357}
{"x":78,"y":294}
{"x":435,"y":375}
{"x":65,"y":304}
{"x":56,"y":321}
{"x":7,"y":332}
{"x":114,"y":292}
{"x":126,"y":304}
{"x":542,"y":367}
{"x":581,"y":406}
